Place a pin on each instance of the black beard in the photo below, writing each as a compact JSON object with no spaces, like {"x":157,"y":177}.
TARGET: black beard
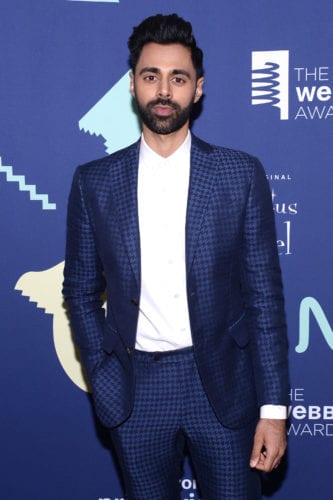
{"x":164,"y":124}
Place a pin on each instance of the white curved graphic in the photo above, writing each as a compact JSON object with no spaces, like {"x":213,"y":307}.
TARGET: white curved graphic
{"x":44,"y":288}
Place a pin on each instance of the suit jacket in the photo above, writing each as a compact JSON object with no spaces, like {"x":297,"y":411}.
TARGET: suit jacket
{"x":234,"y":285}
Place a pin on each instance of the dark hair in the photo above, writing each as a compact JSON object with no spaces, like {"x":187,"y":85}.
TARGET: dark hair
{"x":164,"y":29}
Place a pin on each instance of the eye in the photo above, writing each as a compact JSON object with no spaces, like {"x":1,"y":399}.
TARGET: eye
{"x":178,"y":80}
{"x":150,"y":78}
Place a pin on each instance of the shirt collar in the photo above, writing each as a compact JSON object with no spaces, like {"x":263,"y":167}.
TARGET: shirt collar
{"x":148,"y":156}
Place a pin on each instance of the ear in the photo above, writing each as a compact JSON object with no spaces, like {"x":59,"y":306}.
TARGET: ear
{"x":132,"y":86}
{"x":199,"y":89}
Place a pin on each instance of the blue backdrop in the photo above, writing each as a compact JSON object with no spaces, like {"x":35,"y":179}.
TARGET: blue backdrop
{"x":64,"y":101}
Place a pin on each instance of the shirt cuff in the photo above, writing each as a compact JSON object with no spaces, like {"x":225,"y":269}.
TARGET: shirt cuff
{"x":273,"y":411}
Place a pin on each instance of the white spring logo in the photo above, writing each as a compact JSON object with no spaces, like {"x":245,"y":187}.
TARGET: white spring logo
{"x":270,"y":80}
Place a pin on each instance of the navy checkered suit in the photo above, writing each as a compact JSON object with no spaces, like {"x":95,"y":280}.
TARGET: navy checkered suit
{"x":233,"y":282}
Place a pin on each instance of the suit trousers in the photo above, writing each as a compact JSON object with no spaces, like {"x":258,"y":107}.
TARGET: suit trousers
{"x":172,"y":414}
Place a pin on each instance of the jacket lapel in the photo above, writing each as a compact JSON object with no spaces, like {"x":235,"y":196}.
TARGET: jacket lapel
{"x":124,"y":198}
{"x":204,"y":166}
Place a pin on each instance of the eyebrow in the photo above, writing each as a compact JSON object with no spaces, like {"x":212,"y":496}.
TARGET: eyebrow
{"x":153,"y":69}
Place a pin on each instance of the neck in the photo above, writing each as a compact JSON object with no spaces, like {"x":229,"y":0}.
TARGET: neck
{"x":165,"y":145}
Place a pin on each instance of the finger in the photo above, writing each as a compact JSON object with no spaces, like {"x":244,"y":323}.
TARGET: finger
{"x":266,"y":462}
{"x":277,"y":461}
{"x":262,"y":458}
{"x":256,"y":455}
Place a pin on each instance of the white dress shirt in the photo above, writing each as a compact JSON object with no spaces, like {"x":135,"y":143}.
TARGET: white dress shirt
{"x":163,"y":322}
{"x":162,"y":200}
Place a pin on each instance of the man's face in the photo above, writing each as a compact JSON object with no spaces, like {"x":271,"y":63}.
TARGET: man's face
{"x":165,"y":87}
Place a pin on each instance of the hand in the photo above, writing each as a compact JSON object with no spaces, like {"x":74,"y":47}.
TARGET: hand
{"x":270,"y":442}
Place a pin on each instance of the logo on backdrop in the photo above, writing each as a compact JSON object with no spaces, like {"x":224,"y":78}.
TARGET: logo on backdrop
{"x":270,"y":80}
{"x":119,"y":129}
{"x":314,"y":96}
{"x":310,"y":306}
{"x":188,"y":487}
{"x":285,"y":209}
{"x":309,"y":419}
{"x":299,"y":93}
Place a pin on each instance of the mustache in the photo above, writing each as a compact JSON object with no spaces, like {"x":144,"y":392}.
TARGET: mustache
{"x":163,"y":102}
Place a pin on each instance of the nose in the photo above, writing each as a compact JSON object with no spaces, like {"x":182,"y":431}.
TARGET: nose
{"x":164,"y":89}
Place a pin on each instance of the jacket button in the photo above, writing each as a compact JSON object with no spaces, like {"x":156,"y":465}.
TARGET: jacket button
{"x":129,"y":350}
{"x":135,"y":302}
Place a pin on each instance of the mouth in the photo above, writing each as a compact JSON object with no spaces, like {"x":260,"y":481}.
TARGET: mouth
{"x":163,"y":110}
{"x":162,"y":107}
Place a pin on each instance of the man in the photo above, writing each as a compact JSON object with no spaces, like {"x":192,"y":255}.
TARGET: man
{"x":181,"y":233}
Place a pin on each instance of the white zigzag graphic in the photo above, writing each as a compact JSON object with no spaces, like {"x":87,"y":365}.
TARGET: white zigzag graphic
{"x":31,"y":188}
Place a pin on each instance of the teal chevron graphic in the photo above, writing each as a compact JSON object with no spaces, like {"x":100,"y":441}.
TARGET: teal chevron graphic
{"x":31,"y":188}
{"x":113,"y":117}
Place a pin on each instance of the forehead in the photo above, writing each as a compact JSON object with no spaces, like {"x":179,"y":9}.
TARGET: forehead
{"x":165,"y":57}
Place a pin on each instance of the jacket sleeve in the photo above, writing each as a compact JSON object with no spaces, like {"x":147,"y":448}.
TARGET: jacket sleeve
{"x":263,"y":293}
{"x":84,"y":281}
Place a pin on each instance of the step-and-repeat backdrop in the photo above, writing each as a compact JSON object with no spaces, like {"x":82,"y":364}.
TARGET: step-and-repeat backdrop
{"x":64,"y":100}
